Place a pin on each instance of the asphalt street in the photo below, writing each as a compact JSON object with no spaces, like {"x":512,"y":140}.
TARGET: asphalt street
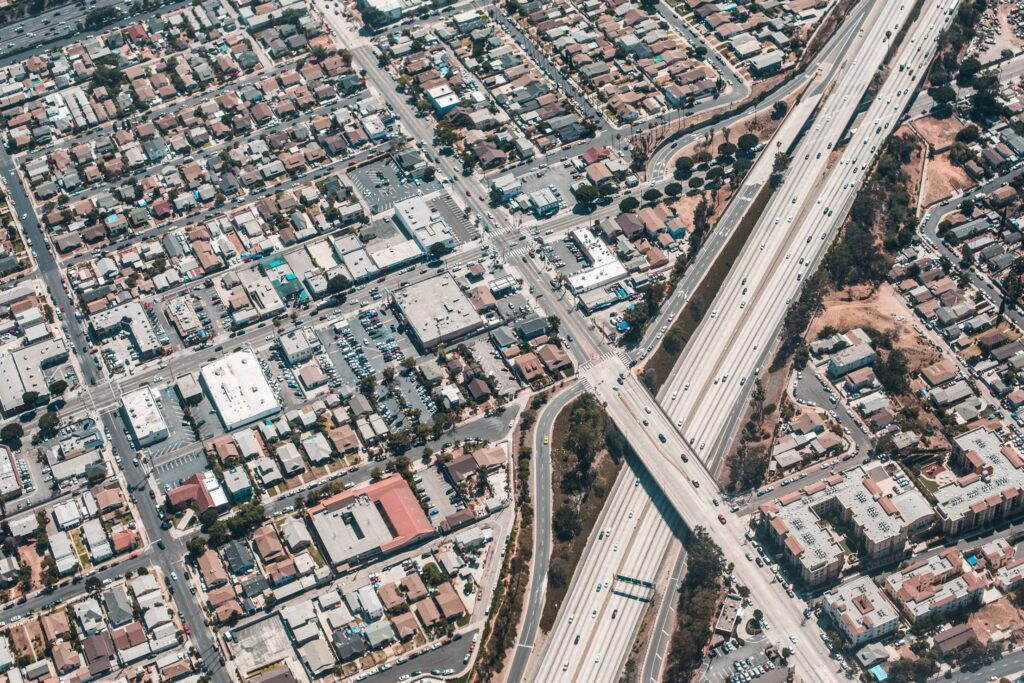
{"x":1007,"y":667}
{"x":66,"y":35}
{"x":806,"y":212}
{"x":661,"y":634}
{"x":930,"y":226}
{"x":752,"y":184}
{"x":492,"y":429}
{"x":542,"y":530}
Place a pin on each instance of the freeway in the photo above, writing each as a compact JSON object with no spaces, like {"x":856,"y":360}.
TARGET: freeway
{"x":15,"y":46}
{"x":661,"y":634}
{"x":542,"y":515}
{"x":822,"y":70}
{"x":705,"y":392}
{"x":624,"y":401}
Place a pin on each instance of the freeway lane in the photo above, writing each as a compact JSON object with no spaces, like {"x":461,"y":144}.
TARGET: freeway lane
{"x":822,"y":70}
{"x":809,"y":209}
{"x":623,"y":405}
{"x":541,"y":488}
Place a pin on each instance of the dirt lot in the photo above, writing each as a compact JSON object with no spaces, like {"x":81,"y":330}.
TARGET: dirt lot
{"x":915,"y":169}
{"x":879,"y":310}
{"x":996,"y":621}
{"x":685,"y":206}
{"x":944,"y":178}
{"x":29,"y":556}
{"x":939,"y":133}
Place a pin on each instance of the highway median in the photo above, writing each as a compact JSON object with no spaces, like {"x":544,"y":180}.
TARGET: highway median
{"x":664,"y":357}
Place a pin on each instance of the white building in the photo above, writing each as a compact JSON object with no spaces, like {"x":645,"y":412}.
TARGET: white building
{"x":424,"y":224}
{"x":143,"y":418}
{"x":238,"y":389}
{"x":603,"y":268}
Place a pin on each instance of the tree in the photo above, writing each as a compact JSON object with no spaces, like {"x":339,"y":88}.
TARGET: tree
{"x":652,"y":195}
{"x":445,"y":134}
{"x":30,"y":398}
{"x":431,"y":574}
{"x":93,"y":585}
{"x":673,"y":190}
{"x":943,"y":95}
{"x":438,"y":249}
{"x":218,"y":534}
{"x":48,"y":422}
{"x":566,"y":523}
{"x":779,"y":110}
{"x":684,"y":166}
{"x":969,"y":68}
{"x":559,"y":572}
{"x":58,"y":388}
{"x":727,"y":149}
{"x":968,"y":134}
{"x":246,"y":519}
{"x":337,"y":284}
{"x":196,"y":546}
{"x":429,"y":173}
{"x":629,"y":204}
{"x":11,"y":434}
{"x":747,"y":142}
{"x":587,"y":193}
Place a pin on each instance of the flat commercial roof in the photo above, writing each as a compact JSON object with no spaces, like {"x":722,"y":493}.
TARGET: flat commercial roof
{"x":145,"y":420}
{"x":438,"y":310}
{"x":359,"y":523}
{"x":238,"y":389}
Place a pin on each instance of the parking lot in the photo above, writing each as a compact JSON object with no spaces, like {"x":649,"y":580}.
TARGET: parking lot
{"x":464,"y":229}
{"x":745,"y":663}
{"x":179,"y":432}
{"x":439,"y":494}
{"x":171,"y":473}
{"x":383,"y":184}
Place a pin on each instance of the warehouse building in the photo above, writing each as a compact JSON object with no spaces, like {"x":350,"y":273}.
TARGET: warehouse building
{"x":365,"y":523}
{"x":437,"y":311}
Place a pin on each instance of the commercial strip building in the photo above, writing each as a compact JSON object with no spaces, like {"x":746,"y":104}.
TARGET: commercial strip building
{"x":370,"y":522}
{"x":238,"y":389}
{"x":603,"y":268}
{"x":143,"y":418}
{"x":880,"y":515}
{"x":424,"y":224}
{"x":10,"y":481}
{"x":21,"y":371}
{"x":437,"y":311}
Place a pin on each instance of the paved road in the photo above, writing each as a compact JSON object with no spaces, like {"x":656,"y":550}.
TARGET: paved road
{"x":67,"y":35}
{"x":790,"y":238}
{"x":689,"y":486}
{"x":784,"y":137}
{"x":542,"y":530}
{"x":492,"y":429}
{"x":1007,"y":667}
{"x":930,"y":226}
{"x":661,"y":635}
